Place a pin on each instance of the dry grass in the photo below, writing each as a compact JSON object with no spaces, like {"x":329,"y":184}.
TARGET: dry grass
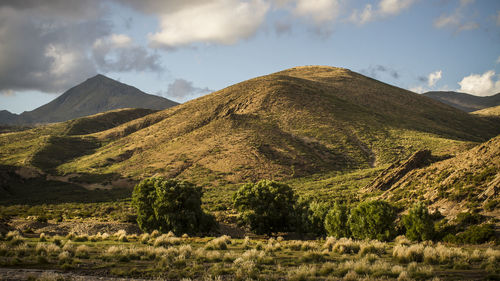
{"x":373,"y":246}
{"x":219,"y":243}
{"x":166,"y":240}
{"x":82,"y":252}
{"x":346,"y":246}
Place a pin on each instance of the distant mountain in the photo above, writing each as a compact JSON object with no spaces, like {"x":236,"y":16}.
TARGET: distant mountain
{"x":293,"y":123}
{"x":464,"y":101}
{"x":95,"y":95}
{"x":7,"y":117}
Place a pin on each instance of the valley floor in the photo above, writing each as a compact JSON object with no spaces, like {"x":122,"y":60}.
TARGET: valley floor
{"x":122,"y":256}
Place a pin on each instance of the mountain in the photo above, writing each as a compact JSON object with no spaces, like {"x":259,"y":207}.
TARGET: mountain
{"x":7,"y":117}
{"x":293,"y":123}
{"x":95,"y":95}
{"x":464,"y":101}
{"x":470,"y":179}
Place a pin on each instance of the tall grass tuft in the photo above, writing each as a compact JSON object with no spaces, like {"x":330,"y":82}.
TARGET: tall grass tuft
{"x":219,"y":243}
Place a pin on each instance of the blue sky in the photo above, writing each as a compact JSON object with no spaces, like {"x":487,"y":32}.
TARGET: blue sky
{"x":184,"y":49}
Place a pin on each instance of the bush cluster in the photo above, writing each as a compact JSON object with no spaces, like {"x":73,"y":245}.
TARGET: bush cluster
{"x":170,"y":205}
{"x":269,"y":207}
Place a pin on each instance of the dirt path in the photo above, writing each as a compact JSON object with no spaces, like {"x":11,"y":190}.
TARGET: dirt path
{"x":18,"y":274}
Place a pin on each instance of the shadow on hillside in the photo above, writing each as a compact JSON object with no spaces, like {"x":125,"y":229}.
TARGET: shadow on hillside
{"x":38,"y":190}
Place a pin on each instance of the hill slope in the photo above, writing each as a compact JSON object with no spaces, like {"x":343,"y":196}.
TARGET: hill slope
{"x":95,"y":95}
{"x":489,"y":112}
{"x":468,"y":180}
{"x":464,"y":101}
{"x":291,"y":123}
{"x":47,"y":146}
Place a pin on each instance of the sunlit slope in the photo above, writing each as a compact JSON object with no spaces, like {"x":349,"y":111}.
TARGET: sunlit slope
{"x":296,"y":122}
{"x":48,"y":146}
{"x":464,"y":182}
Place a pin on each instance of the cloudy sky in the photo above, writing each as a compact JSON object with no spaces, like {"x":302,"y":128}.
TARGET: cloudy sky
{"x":182,"y":49}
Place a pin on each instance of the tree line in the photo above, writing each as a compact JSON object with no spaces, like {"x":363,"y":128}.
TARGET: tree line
{"x":268,"y":207}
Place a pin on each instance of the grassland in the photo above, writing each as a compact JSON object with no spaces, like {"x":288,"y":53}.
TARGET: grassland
{"x":223,"y":258}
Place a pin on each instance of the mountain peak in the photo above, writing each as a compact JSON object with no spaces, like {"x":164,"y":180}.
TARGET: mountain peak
{"x":100,"y":77}
{"x":96,"y":94}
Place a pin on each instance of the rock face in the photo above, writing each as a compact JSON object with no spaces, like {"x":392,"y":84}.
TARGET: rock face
{"x":396,"y":171}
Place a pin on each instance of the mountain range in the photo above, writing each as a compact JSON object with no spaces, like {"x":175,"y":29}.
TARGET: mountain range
{"x":95,"y":95}
{"x":292,"y":123}
{"x":316,"y":127}
{"x":465,"y":102}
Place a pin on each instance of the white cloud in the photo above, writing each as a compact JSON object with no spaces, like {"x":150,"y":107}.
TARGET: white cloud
{"x":385,"y":8}
{"x":485,"y":84}
{"x":394,"y":7}
{"x":445,"y":20}
{"x":218,"y":21}
{"x":418,"y":89}
{"x":434,"y":77}
{"x":498,"y":60}
{"x":456,"y":20}
{"x":498,"y":17}
{"x":318,"y":10}
{"x":365,"y":16}
{"x":120,"y":40}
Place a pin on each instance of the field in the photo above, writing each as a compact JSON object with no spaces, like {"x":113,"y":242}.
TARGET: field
{"x":162,"y":257}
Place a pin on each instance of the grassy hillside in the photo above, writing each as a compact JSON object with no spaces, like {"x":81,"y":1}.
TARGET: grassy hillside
{"x":490,"y":111}
{"x":463,"y":183}
{"x":48,"y":146}
{"x":465,"y":102}
{"x":294,"y":123}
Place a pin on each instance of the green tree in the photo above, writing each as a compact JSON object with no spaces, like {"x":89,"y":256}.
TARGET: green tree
{"x":170,"y":205}
{"x":336,"y":221}
{"x":373,"y":220}
{"x":266,"y":206}
{"x":418,"y":223}
{"x":316,"y":217}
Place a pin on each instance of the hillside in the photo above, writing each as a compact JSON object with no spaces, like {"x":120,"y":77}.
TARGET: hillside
{"x":464,"y":101}
{"x":464,"y":182}
{"x":95,"y":95}
{"x":54,"y":143}
{"x":489,"y":112}
{"x":293,"y":123}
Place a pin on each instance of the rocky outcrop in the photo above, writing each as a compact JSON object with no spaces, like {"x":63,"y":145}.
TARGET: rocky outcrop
{"x":398,"y":170}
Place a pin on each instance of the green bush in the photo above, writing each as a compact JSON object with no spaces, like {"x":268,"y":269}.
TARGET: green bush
{"x":170,"y":205}
{"x":336,"y":221}
{"x":310,"y":216}
{"x":477,"y":234}
{"x":418,"y":223}
{"x":372,"y":220}
{"x":266,"y":206}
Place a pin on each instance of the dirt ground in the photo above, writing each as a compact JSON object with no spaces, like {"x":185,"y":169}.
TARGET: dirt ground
{"x":18,"y":274}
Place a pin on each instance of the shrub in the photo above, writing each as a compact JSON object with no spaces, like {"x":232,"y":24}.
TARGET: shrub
{"x":266,"y":206}
{"x":170,"y":205}
{"x":372,"y":220}
{"x":418,"y":223}
{"x":336,"y":221}
{"x":465,"y":219}
{"x":82,"y":251}
{"x":477,"y":234}
{"x":311,"y":216}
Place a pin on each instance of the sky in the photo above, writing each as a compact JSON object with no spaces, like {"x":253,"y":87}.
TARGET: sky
{"x":183,"y":49}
